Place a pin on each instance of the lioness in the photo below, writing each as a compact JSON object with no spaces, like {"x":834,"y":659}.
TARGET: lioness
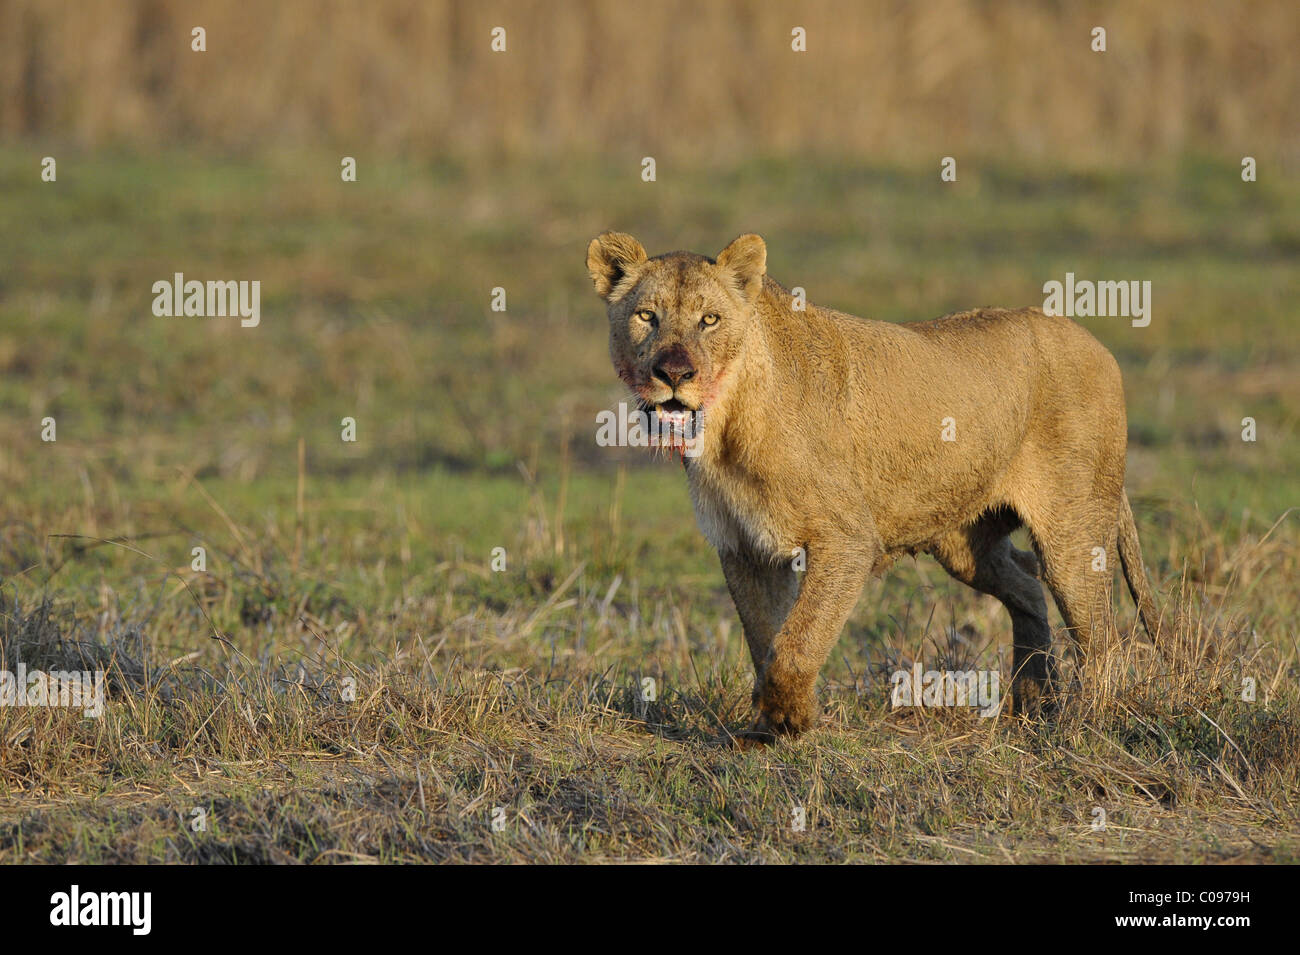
{"x":852,"y":442}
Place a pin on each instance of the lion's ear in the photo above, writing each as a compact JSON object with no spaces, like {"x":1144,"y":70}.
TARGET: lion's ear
{"x":745,"y":263}
{"x":611,"y":256}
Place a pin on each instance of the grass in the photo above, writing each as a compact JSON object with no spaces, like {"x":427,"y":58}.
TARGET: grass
{"x":520,"y":690}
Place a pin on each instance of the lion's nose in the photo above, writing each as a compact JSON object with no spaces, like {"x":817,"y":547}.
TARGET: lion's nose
{"x":674,"y":367}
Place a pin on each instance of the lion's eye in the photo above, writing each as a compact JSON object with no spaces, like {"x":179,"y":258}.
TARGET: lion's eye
{"x":709,"y":320}
{"x":645,"y":315}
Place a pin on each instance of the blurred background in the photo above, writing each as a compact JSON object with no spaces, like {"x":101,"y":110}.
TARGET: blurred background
{"x":479,"y":169}
{"x":714,"y":81}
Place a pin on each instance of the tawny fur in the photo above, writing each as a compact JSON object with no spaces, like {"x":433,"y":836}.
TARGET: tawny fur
{"x":823,"y":435}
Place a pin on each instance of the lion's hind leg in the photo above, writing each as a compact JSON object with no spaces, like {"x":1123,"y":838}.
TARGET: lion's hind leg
{"x":983,"y":557}
{"x":1076,"y":543}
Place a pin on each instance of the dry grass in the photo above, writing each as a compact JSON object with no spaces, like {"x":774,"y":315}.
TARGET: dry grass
{"x":443,"y":730}
{"x":943,"y":77}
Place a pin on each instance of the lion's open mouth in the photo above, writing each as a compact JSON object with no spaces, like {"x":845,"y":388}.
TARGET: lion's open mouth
{"x":673,"y":424}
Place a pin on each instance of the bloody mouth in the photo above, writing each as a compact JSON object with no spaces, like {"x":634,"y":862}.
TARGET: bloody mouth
{"x":673,"y":424}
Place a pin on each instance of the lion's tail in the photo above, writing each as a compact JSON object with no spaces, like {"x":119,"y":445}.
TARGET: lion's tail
{"x":1135,"y":574}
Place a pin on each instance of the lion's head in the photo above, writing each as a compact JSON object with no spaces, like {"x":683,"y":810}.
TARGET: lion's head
{"x":677,"y":324}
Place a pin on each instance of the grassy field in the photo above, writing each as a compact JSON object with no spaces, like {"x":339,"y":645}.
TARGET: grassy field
{"x":334,"y":565}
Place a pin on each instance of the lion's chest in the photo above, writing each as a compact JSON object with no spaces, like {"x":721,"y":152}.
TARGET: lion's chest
{"x":732,"y":517}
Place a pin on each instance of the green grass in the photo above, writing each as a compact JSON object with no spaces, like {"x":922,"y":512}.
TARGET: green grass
{"x":476,"y":430}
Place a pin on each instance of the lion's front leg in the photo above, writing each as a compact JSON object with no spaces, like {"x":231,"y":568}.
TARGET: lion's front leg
{"x":763,"y":591}
{"x":785,"y":685}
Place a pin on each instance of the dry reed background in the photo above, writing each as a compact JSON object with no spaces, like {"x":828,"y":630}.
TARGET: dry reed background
{"x":682,"y":77}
